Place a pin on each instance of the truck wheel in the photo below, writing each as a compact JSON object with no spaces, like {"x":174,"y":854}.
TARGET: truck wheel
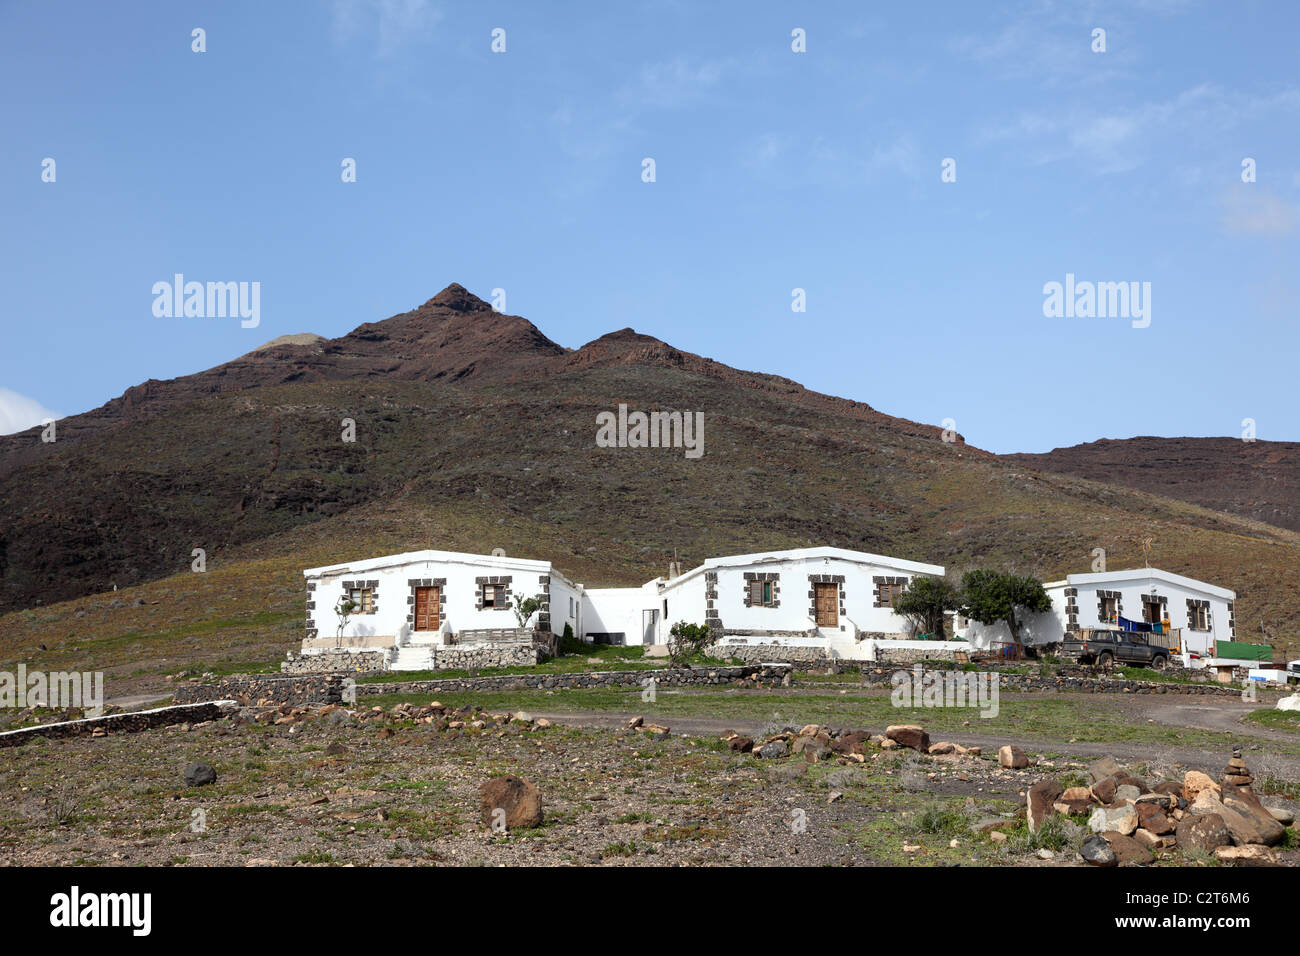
{"x":1159,"y":662}
{"x":1105,"y":659}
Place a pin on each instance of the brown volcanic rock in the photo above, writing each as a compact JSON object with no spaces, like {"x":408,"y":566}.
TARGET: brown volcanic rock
{"x":1259,"y":480}
{"x":453,"y":336}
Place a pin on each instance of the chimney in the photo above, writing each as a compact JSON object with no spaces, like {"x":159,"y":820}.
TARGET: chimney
{"x":674,"y":567}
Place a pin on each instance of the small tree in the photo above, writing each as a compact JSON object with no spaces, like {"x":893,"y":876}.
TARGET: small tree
{"x":344,"y":608}
{"x":925,"y":603}
{"x":993,"y":596}
{"x":687,"y":640}
{"x":526,"y":608}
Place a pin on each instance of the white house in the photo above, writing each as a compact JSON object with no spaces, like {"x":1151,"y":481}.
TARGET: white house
{"x":1203,"y":612}
{"x":832,"y":599}
{"x":406,"y":604}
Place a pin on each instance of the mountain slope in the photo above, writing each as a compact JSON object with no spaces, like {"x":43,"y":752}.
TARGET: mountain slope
{"x":479,"y":432}
{"x":1258,"y":480}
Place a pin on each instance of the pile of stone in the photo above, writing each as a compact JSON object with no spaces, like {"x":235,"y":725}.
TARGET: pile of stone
{"x":435,"y":714}
{"x":1131,"y":821}
{"x":658,"y":731}
{"x":815,"y":743}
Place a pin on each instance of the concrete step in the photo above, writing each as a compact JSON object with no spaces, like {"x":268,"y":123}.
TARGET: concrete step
{"x":415,"y":658}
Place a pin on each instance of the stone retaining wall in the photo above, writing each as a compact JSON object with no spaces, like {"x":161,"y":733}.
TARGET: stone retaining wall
{"x":333,"y":689}
{"x":336,"y":661}
{"x":1033,"y":683}
{"x":503,"y":655}
{"x":816,"y":658}
{"x":301,"y":689}
{"x":118,"y":723}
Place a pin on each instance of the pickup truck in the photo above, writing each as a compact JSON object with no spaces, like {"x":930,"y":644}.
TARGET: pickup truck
{"x":1106,"y":647}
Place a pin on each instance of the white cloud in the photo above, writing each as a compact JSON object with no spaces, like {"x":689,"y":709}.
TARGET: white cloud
{"x":1251,"y":210}
{"x":675,"y":83}
{"x":391,"y":24}
{"x":18,"y":412}
{"x":1119,"y":139}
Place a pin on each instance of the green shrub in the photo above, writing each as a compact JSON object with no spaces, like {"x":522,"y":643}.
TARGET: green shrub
{"x":687,"y":640}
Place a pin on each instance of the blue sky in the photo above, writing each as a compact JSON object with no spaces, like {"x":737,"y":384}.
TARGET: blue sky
{"x":775,"y":170}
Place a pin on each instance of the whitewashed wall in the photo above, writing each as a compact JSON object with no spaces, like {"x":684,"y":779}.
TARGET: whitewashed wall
{"x":1131,"y":595}
{"x":382,"y":628}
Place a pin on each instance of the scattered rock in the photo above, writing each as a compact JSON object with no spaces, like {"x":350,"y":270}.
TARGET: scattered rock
{"x":1194,"y":782}
{"x":1103,"y":768}
{"x":199,"y":774}
{"x":909,"y":735}
{"x":1205,"y":832}
{"x":773,"y":749}
{"x":519,"y":799}
{"x":1123,"y":820}
{"x":1012,"y":758}
{"x":1127,"y":793}
{"x":1096,"y":850}
{"x":1152,"y":818}
{"x":1039,"y":802}
{"x":1104,"y":790}
{"x":1127,"y":849}
{"x":1251,"y":855}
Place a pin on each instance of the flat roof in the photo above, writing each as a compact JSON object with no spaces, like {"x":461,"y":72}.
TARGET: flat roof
{"x":809,"y":554}
{"x":1152,"y":574}
{"x":416,"y":557}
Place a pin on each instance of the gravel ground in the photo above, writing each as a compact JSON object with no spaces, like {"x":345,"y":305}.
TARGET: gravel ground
{"x":328,"y":787}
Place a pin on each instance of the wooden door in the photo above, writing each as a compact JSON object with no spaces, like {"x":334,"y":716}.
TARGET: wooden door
{"x":828,"y":604}
{"x":428,"y":609}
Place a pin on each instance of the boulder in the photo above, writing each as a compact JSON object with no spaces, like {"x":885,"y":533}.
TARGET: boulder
{"x":854,"y":742}
{"x":1127,"y":849}
{"x":1012,"y":758}
{"x":1154,"y":819}
{"x":1072,"y":807}
{"x":773,"y":749}
{"x":1205,"y":831}
{"x":812,"y":749}
{"x":1039,"y":802}
{"x":1071,"y":794}
{"x":1127,"y":793}
{"x":942,"y":748}
{"x":743,"y":745}
{"x":1151,"y":841}
{"x":520,"y":800}
{"x":1103,"y":768}
{"x":1128,"y":780}
{"x":909,"y":735}
{"x":1096,"y":850}
{"x":1282,"y":815}
{"x":1251,"y":855}
{"x":1103,"y":791}
{"x":1194,"y":782}
{"x":1121,"y":819}
{"x":1259,"y":826}
{"x":199,"y":774}
{"x":1161,"y":800}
